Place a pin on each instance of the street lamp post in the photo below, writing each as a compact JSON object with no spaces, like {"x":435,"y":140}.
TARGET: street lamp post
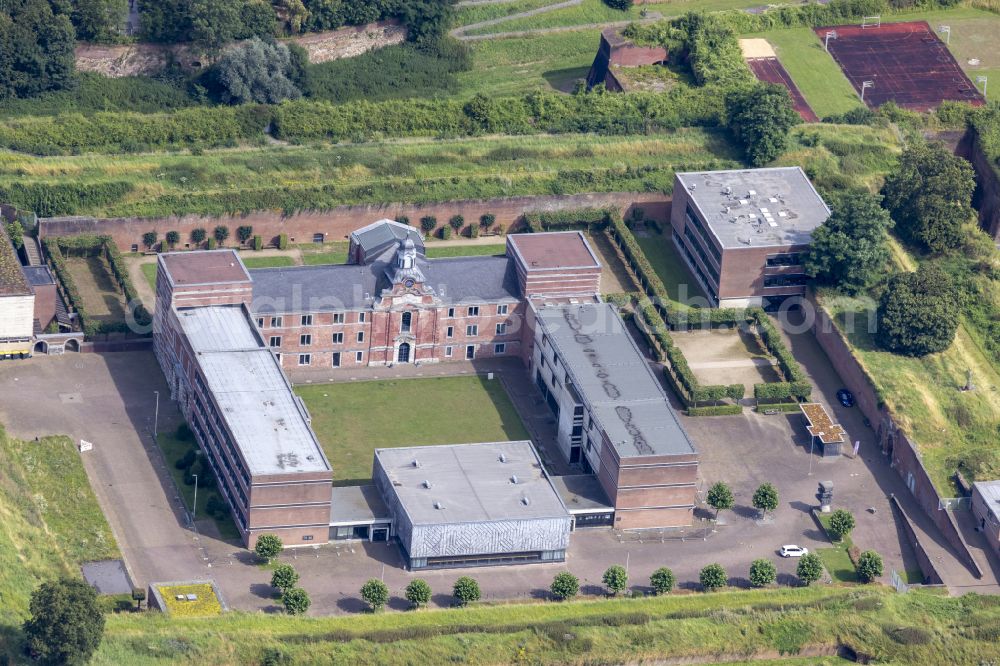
{"x":830,"y":34}
{"x":864,"y":86}
{"x":156,"y":413}
{"x":194,"y":506}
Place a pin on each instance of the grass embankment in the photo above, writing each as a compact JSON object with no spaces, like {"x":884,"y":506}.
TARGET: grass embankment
{"x":733,"y":626}
{"x":421,"y":171}
{"x":50,"y":523}
{"x":353,"y":419}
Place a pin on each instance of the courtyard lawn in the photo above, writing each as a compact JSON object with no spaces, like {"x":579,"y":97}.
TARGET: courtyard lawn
{"x":173,"y":450}
{"x":149,"y":271}
{"x":265,"y":261}
{"x":838,"y":563}
{"x":314,"y":254}
{"x":670,"y":267}
{"x":102,"y":298}
{"x":813,"y":70}
{"x":352,"y":419}
{"x":465,"y":250}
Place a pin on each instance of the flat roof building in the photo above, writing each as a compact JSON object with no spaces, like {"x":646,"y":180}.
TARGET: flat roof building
{"x":743,"y":232}
{"x":472,"y":504}
{"x":614,"y":418}
{"x":17,"y":303}
{"x":986,"y":508}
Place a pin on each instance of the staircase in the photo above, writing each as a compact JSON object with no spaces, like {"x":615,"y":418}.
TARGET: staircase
{"x":62,"y":314}
{"x":31,"y":251}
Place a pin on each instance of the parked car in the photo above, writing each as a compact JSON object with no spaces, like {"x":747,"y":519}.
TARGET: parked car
{"x":845,"y":397}
{"x":793,"y":551}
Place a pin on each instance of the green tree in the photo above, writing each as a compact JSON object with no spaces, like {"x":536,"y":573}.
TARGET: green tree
{"x":197,"y":235}
{"x":869,"y":566}
{"x":850,"y":250}
{"x":66,"y":623}
{"x":173,"y":238}
{"x":149,"y":239}
{"x":918,"y":312}
{"x":418,"y":592}
{"x":244,"y":232}
{"x":16,"y":233}
{"x":623,"y":5}
{"x":36,"y":48}
{"x":221,"y":233}
{"x":268,"y":546}
{"x":255,"y":71}
{"x":98,"y":20}
{"x":284,"y":577}
{"x":427,"y":223}
{"x":841,"y":524}
{"x":720,"y":497}
{"x":765,"y":498}
{"x":565,"y":586}
{"x":930,"y":196}
{"x":296,"y":601}
{"x":466,"y":590}
{"x":456,"y":222}
{"x":486,"y":220}
{"x":375,"y":593}
{"x":483,"y":111}
{"x":615,"y":578}
{"x":713,"y":577}
{"x":810,"y":568}
{"x":426,"y":21}
{"x":662,"y":580}
{"x":214,"y":23}
{"x":760,"y":117}
{"x":762,"y":573}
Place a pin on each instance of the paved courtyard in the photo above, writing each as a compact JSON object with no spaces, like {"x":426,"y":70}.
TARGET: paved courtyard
{"x":725,"y":356}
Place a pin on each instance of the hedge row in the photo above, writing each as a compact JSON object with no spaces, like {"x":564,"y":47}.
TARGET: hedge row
{"x":561,"y":220}
{"x":777,"y":406}
{"x":715,"y":410}
{"x":796,"y":385}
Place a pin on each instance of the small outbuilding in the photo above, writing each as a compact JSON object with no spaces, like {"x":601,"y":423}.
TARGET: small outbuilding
{"x":467,"y":505}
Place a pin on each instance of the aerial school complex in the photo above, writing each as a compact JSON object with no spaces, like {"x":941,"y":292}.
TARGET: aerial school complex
{"x":222,"y":334}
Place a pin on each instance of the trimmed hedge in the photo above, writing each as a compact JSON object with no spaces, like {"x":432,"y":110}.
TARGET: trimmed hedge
{"x":796,"y":385}
{"x":777,"y":406}
{"x":562,"y":220}
{"x":715,"y":410}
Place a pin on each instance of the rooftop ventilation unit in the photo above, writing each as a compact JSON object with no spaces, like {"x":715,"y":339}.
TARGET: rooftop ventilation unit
{"x":438,"y":505}
{"x":693,"y":186}
{"x":727,"y":190}
{"x":513,"y":479}
{"x":525,"y":501}
{"x":503,"y":457}
{"x":427,"y":484}
{"x":415,"y":463}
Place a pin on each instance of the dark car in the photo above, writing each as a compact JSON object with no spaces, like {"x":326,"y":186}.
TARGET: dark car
{"x":845,"y":397}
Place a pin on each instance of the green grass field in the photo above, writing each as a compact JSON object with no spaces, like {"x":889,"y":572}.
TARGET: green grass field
{"x":50,"y":521}
{"x":352,"y":419}
{"x":670,"y":267}
{"x":723,"y":627}
{"x":327,"y":253}
{"x":816,"y":74}
{"x":433,"y":252}
{"x":266,"y":261}
{"x":321,"y":176}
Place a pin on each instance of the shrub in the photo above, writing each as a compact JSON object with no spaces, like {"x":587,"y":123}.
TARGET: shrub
{"x":869,"y":566}
{"x":765,"y":498}
{"x":418,"y":592}
{"x":428,"y":223}
{"x":564,"y":586}
{"x":713,"y":577}
{"x":211,"y":244}
{"x":66,"y":623}
{"x":296,"y":601}
{"x":268,"y":546}
{"x":615,"y":578}
{"x":186,"y":460}
{"x":173,"y":238}
{"x":456,"y":222}
{"x":254,"y":72}
{"x":198,"y":235}
{"x":445,"y":233}
{"x":466,"y":590}
{"x":662,"y":580}
{"x":623,"y":5}
{"x":715,"y":410}
{"x":258,"y":243}
{"x":762,"y":573}
{"x":487,"y":220}
{"x":473,"y":231}
{"x":810,"y":568}
{"x":284,"y":577}
{"x":375,"y":593}
{"x":244,"y":232}
{"x":282,"y":241}
{"x":149,"y":239}
{"x":221,"y":233}
{"x":841,"y":524}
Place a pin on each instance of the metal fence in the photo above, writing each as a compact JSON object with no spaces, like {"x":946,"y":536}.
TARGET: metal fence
{"x":955,"y":503}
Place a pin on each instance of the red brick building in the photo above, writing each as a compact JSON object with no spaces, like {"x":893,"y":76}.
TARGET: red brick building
{"x":615,"y":52}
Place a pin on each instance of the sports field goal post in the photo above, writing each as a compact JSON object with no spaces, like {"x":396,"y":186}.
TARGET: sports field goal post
{"x":872,"y":21}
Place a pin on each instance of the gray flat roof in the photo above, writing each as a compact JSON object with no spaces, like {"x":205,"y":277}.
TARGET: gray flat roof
{"x":990,"y":490}
{"x":38,"y":276}
{"x":582,"y":493}
{"x":472,"y":483}
{"x":268,"y":422}
{"x":203,"y":267}
{"x":757,"y":207}
{"x":614,"y":379}
{"x":379,"y":236}
{"x":356,"y":505}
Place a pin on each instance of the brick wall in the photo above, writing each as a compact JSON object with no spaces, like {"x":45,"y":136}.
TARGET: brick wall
{"x":336,"y":224}
{"x":987,"y":196}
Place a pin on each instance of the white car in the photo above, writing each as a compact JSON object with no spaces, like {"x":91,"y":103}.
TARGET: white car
{"x":793,"y":551}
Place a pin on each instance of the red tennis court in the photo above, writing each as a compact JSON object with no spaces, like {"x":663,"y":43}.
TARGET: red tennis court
{"x":906,"y":63}
{"x":772,"y":71}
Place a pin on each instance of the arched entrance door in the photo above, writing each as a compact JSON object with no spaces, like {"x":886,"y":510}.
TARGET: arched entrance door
{"x":72,"y":345}
{"x":41,"y":347}
{"x":404,"y":353}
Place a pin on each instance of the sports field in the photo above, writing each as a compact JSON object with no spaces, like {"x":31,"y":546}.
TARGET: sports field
{"x":352,"y":419}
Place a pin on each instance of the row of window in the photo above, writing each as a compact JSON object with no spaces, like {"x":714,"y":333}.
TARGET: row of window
{"x":499,"y":349}
{"x":305,"y":339}
{"x":789,"y":280}
{"x":277,"y":321}
{"x":694,"y":265}
{"x":785,"y":259}
{"x":694,"y":221}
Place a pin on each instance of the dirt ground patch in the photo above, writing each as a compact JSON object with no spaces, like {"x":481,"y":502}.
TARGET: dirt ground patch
{"x":725,"y":356}
{"x":614,"y":277}
{"x":101,"y":296}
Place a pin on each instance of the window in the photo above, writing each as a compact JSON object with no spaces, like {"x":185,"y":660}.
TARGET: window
{"x":447,"y":352}
{"x":361,"y":336}
{"x":450,"y":333}
{"x":407,"y":320}
{"x":135,"y":248}
{"x":275,"y":322}
{"x":317,"y":238}
{"x":785,"y":259}
{"x":336,"y":359}
{"x":501,"y":329}
{"x":472,"y":329}
{"x":307,"y":320}
{"x":338,"y":317}
{"x":305,"y":340}
{"x":338,"y":338}
{"x":260,"y":322}
{"x":404,"y":353}
{"x":305,"y":359}
{"x":275,"y":341}
{"x":451,"y":313}
{"x":502,"y":309}
{"x":361,"y":317}
{"x":358,"y":356}
{"x":786,"y":280}
{"x":470,"y":352}
{"x":499,"y":348}
{"x":474,"y":311}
